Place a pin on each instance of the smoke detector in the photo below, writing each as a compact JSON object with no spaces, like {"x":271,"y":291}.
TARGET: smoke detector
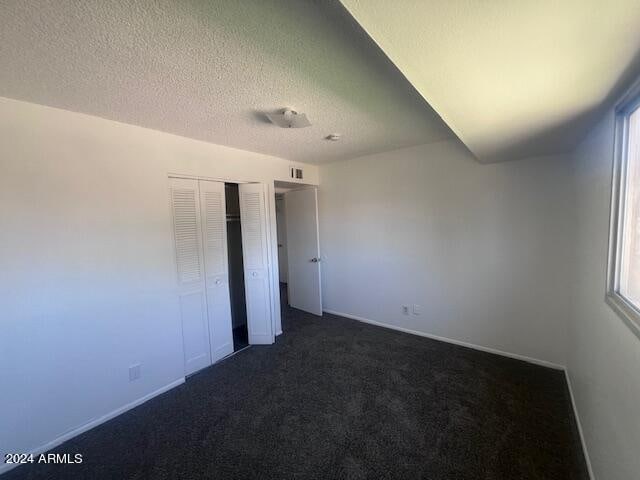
{"x":288,"y":118}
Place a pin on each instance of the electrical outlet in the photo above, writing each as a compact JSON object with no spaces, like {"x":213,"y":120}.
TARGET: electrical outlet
{"x":417,"y":309}
{"x":134,"y":372}
{"x":405,"y":309}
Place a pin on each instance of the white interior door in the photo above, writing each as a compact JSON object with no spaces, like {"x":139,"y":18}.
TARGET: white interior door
{"x":216,"y":267}
{"x":185,"y":204}
{"x":303,"y":250}
{"x":253,"y":221}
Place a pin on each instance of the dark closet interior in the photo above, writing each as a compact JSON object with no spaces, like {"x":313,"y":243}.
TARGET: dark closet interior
{"x":236,"y":268}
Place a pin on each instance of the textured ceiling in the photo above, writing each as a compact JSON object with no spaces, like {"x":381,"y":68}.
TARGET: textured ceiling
{"x":511,"y":78}
{"x":208,"y":69}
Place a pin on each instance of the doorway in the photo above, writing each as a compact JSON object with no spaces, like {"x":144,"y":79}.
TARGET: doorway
{"x":299,"y":258}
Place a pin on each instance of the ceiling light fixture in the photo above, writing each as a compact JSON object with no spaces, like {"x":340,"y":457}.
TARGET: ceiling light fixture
{"x":289,"y":118}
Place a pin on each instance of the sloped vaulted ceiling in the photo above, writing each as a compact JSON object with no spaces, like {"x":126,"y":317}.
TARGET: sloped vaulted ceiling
{"x":511,"y":78}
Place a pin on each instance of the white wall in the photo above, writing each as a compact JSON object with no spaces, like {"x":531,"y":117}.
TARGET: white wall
{"x":87,"y":272}
{"x":603,"y":353}
{"x":481,"y":248}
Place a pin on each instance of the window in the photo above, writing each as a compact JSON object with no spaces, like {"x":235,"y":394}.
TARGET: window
{"x":623,"y":289}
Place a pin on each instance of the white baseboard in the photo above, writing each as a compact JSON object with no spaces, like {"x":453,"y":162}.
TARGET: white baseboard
{"x":524,"y":358}
{"x":93,"y":423}
{"x":580,"y":431}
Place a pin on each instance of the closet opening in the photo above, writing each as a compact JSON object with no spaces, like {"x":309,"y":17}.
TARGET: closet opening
{"x":236,"y":268}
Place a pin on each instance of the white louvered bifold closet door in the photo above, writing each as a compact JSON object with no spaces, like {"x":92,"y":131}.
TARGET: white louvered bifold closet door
{"x":185,"y":205}
{"x":253,"y":222}
{"x":216,"y":266}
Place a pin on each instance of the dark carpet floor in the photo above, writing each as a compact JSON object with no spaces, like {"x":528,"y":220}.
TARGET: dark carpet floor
{"x":334,"y":398}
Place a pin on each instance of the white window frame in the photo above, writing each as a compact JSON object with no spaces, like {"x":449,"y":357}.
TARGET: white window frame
{"x":623,"y":307}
